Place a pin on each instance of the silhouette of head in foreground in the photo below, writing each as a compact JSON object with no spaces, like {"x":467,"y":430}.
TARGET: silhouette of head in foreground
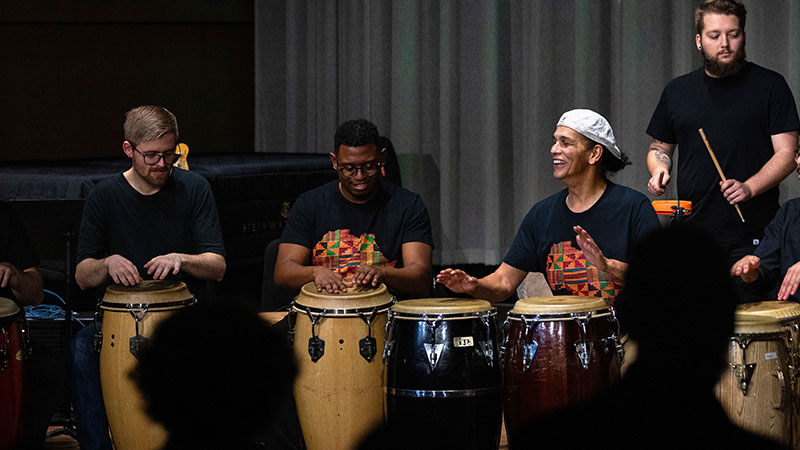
{"x":213,"y":377}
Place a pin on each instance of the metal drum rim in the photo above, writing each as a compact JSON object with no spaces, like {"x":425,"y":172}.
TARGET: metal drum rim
{"x":441,"y":393}
{"x":338,"y":312}
{"x":114,"y":306}
{"x":444,"y":316}
{"x":560,"y":316}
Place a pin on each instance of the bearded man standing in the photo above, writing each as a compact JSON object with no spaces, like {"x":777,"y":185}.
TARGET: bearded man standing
{"x":749,"y":116}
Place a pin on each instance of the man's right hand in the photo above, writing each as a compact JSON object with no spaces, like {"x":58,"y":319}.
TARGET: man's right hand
{"x":122,"y":271}
{"x":327,"y":280}
{"x":457,"y":280}
{"x":657,"y":184}
{"x":746,"y":268}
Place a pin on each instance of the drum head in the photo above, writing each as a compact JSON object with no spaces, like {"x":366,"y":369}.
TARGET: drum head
{"x":353,"y":299}
{"x":443,"y":306}
{"x":151,"y":292}
{"x":764,"y":317}
{"x":559,"y":304}
{"x":8,"y":307}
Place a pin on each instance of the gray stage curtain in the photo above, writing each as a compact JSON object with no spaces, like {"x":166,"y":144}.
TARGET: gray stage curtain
{"x":470,"y":91}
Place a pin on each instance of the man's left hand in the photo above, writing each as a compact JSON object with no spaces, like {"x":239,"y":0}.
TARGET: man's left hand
{"x":160,"y":266}
{"x":735,"y":191}
{"x":8,"y":274}
{"x":590,"y":249}
{"x":368,"y":274}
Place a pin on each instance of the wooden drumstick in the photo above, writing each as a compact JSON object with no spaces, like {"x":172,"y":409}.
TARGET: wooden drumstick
{"x":719,"y":169}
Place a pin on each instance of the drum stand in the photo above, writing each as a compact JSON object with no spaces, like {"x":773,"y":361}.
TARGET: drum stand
{"x":677,"y":212}
{"x":68,"y":427}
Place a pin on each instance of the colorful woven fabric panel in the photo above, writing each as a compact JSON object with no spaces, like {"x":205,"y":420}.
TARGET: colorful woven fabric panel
{"x":569,"y":273}
{"x":343,"y":253}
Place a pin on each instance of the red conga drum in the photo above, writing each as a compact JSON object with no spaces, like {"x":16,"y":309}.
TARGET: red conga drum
{"x":12,"y":372}
{"x":559,"y":351}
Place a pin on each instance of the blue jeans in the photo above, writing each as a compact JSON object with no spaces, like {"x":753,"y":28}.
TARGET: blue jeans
{"x":87,"y":395}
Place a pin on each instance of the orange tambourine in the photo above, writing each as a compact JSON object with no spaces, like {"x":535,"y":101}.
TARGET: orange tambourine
{"x":669,"y":207}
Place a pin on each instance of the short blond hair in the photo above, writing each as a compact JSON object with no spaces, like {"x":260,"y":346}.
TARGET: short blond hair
{"x":149,"y":123}
{"x":725,"y":7}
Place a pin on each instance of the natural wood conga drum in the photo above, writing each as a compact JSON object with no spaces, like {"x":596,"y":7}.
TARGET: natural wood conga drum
{"x":559,"y":350}
{"x":758,"y":389}
{"x":12,"y":372}
{"x":130,"y":315}
{"x":338,"y":339}
{"x":443,"y":370}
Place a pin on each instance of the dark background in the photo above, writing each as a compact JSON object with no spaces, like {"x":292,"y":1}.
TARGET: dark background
{"x":70,"y":70}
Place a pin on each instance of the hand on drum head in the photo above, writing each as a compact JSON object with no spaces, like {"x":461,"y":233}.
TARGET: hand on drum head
{"x":457,"y":280}
{"x":590,"y":249}
{"x":657,"y":184}
{"x":328,"y":280}
{"x":8,"y":274}
{"x":367,"y":274}
{"x":735,"y":191}
{"x":790,"y":282}
{"x":161,"y":266}
{"x":746,"y":268}
{"x":122,"y":271}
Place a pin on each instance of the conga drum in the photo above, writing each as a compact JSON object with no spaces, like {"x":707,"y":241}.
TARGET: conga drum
{"x":12,"y":372}
{"x":130,"y":315}
{"x":337,"y":344}
{"x":558,"y":351}
{"x":758,"y":390}
{"x":443,"y":370}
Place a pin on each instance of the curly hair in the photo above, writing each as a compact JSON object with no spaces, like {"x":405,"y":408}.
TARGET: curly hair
{"x":355,"y":133}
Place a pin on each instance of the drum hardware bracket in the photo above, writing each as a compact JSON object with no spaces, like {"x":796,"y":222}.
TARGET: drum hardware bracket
{"x":504,"y":337}
{"x":782,"y":380}
{"x":387,"y":330}
{"x":583,"y":347}
{"x":434,"y":350}
{"x":316,"y":346}
{"x":97,"y":341}
{"x":487,"y":346}
{"x":743,"y":374}
{"x":26,"y":338}
{"x":615,"y":335}
{"x":5,"y":355}
{"x":138,"y":343}
{"x":368,"y":346}
{"x":291,"y":319}
{"x":529,"y":350}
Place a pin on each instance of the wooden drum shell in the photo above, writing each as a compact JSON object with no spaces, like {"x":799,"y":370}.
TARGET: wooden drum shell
{"x":12,"y":373}
{"x":555,"y":377}
{"x":340,"y":396}
{"x":131,"y":428}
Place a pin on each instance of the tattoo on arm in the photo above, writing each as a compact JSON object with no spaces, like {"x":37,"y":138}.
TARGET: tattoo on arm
{"x":660,"y":155}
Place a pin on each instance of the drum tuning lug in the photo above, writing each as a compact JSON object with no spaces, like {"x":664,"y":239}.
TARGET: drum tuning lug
{"x":743,"y":373}
{"x":487,"y":347}
{"x":584,"y":351}
{"x":138,"y":344}
{"x":97,"y":340}
{"x":368,"y":347}
{"x":433,"y":351}
{"x":4,"y":358}
{"x":316,"y":348}
{"x":528,"y":352}
{"x":582,"y":320}
{"x":782,"y":380}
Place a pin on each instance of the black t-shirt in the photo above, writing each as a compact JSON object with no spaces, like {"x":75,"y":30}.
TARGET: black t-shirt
{"x":15,"y":245}
{"x":546,"y":242}
{"x":780,"y":248}
{"x":179,"y":218}
{"x":738,"y":114}
{"x":395,"y":216}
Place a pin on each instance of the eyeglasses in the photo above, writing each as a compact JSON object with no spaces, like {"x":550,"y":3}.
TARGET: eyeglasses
{"x":369,"y":169}
{"x":152,"y":158}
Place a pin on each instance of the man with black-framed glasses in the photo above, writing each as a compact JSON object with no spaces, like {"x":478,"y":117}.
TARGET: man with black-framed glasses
{"x":388,"y":225}
{"x":149,"y":222}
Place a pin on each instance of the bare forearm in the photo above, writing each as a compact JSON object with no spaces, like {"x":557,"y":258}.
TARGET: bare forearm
{"x":774,"y":171}
{"x":616,"y":269}
{"x":27,"y":287}
{"x":292,"y":275}
{"x":493,"y":289}
{"x":205,"y":266}
{"x":658,"y":158}
{"x":91,"y":273}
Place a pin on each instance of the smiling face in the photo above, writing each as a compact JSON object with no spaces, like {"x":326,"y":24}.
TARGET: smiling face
{"x":572,"y":156}
{"x":722,"y":42}
{"x":360,"y":186}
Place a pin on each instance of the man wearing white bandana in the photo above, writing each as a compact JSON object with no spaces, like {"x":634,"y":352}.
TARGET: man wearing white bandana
{"x":579,"y":237}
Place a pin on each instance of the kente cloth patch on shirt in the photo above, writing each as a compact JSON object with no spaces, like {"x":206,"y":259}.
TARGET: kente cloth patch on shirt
{"x":343,"y":253}
{"x":569,"y":273}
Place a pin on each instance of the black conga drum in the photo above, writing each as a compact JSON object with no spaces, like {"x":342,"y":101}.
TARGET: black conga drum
{"x":559,"y":350}
{"x":443,"y":370}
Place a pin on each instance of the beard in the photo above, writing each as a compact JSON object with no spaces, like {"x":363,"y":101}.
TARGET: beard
{"x":721,"y":69}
